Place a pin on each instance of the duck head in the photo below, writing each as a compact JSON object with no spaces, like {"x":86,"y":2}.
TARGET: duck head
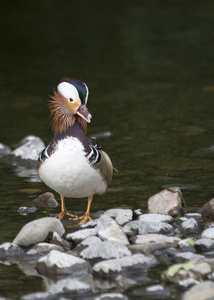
{"x":68,"y":104}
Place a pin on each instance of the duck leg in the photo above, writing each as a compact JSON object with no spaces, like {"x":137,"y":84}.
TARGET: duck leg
{"x":86,"y":217}
{"x":64,"y":211}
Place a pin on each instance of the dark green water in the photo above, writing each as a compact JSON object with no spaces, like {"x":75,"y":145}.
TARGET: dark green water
{"x":149,"y":66}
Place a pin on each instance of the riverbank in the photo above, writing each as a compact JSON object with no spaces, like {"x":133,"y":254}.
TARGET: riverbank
{"x":121,"y":254}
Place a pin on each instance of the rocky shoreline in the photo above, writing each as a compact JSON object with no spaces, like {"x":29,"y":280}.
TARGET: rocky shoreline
{"x":119,"y":255}
{"x":163,"y":253}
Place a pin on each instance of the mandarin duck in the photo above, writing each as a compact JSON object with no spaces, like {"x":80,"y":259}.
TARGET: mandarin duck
{"x":72,"y":164}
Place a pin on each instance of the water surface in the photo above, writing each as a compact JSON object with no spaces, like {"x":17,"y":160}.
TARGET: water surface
{"x":149,"y":66}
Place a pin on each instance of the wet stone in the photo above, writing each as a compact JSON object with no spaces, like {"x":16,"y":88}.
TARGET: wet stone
{"x":31,"y":147}
{"x":89,"y":241}
{"x":81,"y":235}
{"x":56,"y":239}
{"x":165,"y":256}
{"x":27,"y":210}
{"x":152,"y":242}
{"x":186,"y":245}
{"x":187,"y":283}
{"x":108,"y":229}
{"x":145,"y":227}
{"x":38,"y":296}
{"x":196,"y":216}
{"x":153,"y":217}
{"x":71,"y":286}
{"x":58,"y":263}
{"x":46,"y":200}
{"x":37,"y":231}
{"x":9,"y":250}
{"x":129,"y":264}
{"x":4,"y":150}
{"x":183,"y":256}
{"x":204,"y":245}
{"x":90,"y":224}
{"x":167,"y":201}
{"x":121,"y":216}
{"x":189,"y":226}
{"x":207,"y":211}
{"x":137,"y":212}
{"x":203,"y":268}
{"x":105,"y":250}
{"x":201,"y":291}
{"x":136,"y":227}
{"x":44,"y":248}
{"x":111,"y":296}
{"x":208,"y":233}
{"x":153,"y":292}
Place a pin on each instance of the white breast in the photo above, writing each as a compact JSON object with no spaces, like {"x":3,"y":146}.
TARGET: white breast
{"x":68,"y":172}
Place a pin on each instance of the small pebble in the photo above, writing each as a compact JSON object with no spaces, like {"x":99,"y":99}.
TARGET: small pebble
{"x":27,"y":210}
{"x":46,"y":200}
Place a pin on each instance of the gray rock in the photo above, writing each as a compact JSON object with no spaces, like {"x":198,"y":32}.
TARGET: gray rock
{"x":167,"y":201}
{"x":207,"y":211}
{"x":203,"y":268}
{"x":58,"y":263}
{"x":134,"y":263}
{"x":164,"y":256}
{"x":196,"y":216}
{"x":136,"y":227}
{"x":201,"y":291}
{"x":160,"y":227}
{"x":108,"y":229}
{"x":30,"y":148}
{"x":90,"y":224}
{"x":137,"y":212}
{"x":38,"y":296}
{"x":45,"y":248}
{"x":37,"y":231}
{"x":81,"y":235}
{"x":188,"y":282}
{"x":185,"y":242}
{"x":89,"y":241}
{"x":211,"y":276}
{"x":121,"y":216}
{"x":204,"y":245}
{"x":68,"y":285}
{"x":156,"y":291}
{"x":208,"y":233}
{"x":183,"y":256}
{"x":4,"y":150}
{"x":27,"y":210}
{"x":187,"y":245}
{"x":152,"y":242}
{"x":46,"y":200}
{"x":105,"y":250}
{"x":111,"y":296}
{"x":153,"y":217}
{"x":189,"y":226}
{"x":9,"y":250}
{"x":58,"y":240}
{"x":144,"y":227}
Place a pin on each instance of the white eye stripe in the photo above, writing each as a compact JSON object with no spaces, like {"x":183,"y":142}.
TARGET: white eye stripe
{"x":68,"y":91}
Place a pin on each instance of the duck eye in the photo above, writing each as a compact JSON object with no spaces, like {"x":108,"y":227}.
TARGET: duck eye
{"x":71,"y":100}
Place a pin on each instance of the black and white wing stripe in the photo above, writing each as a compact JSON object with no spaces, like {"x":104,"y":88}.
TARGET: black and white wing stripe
{"x":46,"y":153}
{"x":93,"y":155}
